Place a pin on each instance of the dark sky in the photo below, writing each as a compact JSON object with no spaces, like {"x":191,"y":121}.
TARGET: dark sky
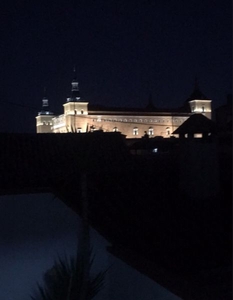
{"x":123,"y":50}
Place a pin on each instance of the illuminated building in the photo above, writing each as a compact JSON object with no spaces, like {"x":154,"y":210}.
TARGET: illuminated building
{"x":80,"y":116}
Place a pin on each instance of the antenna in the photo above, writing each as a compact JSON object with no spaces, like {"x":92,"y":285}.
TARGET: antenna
{"x":75,"y":72}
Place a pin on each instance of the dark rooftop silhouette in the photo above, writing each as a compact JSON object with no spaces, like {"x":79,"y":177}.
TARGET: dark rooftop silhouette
{"x":134,"y":202}
{"x":196,"y":123}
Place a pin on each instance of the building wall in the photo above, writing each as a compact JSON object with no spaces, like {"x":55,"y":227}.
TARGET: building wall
{"x":132,"y":126}
{"x":44,"y":123}
{"x":201,"y":106}
{"x":77,"y":118}
{"x":77,"y":108}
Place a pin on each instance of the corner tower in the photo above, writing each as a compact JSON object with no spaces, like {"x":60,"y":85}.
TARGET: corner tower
{"x":75,"y":109}
{"x":74,"y":105}
{"x":44,"y":117}
{"x":199,"y":103}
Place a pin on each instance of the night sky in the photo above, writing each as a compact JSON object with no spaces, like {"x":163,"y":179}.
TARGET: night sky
{"x":123,"y":50}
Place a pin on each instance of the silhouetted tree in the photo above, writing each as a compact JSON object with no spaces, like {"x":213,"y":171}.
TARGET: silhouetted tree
{"x":69,"y":279}
{"x":65,"y":281}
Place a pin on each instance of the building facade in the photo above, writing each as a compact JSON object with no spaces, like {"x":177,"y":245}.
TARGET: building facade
{"x":80,"y":116}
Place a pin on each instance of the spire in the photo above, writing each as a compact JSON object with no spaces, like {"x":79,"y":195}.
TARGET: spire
{"x":196,"y":94}
{"x":75,"y":95}
{"x":196,"y":84}
{"x":75,"y":73}
{"x":45,"y":105}
{"x":150,"y":106}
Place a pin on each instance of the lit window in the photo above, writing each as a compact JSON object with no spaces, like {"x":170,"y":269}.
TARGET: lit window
{"x":155,"y":150}
{"x":151,"y":131}
{"x":135,"y":131}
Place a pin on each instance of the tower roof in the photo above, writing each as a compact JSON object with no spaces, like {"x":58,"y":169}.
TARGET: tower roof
{"x":75,"y":94}
{"x":150,"y":106}
{"x":45,"y":106}
{"x":196,"y":123}
{"x":197,"y":94}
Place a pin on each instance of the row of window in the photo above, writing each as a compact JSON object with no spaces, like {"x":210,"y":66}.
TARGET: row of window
{"x":76,"y":111}
{"x":202,"y":109}
{"x":176,"y":120}
{"x":150,"y":131}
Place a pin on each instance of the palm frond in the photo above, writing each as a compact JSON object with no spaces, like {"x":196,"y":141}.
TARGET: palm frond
{"x":66,"y":278}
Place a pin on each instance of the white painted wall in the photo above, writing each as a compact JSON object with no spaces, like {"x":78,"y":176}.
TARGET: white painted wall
{"x":34,"y":229}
